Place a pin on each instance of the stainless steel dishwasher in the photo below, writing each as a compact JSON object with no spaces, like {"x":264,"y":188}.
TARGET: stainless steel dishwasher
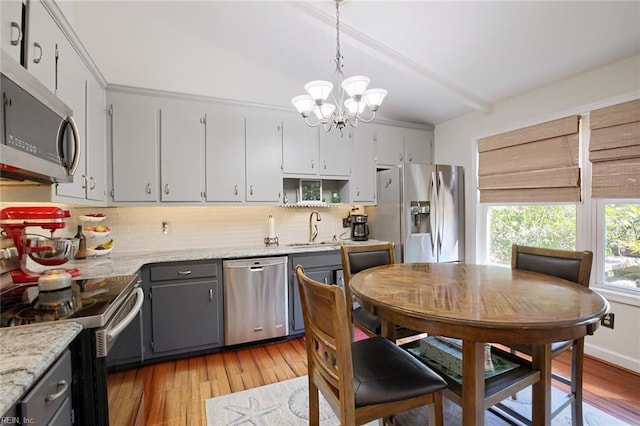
{"x":256,"y":299}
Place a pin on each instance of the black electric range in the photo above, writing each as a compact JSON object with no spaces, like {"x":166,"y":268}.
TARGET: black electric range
{"x":95,"y":302}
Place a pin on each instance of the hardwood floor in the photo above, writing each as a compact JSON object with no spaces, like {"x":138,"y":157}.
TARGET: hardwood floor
{"x":175,"y":391}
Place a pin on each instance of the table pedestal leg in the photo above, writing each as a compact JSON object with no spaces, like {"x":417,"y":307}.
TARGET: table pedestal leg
{"x":472,"y":383}
{"x":541,"y":392}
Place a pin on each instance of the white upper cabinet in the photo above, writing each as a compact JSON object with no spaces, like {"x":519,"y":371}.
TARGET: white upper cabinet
{"x":389,"y":145}
{"x":96,"y":142}
{"x":181,"y":154}
{"x":418,"y":145}
{"x":225,"y":155}
{"x":11,"y":27}
{"x":299,"y":147}
{"x":135,"y":143}
{"x":264,"y":157}
{"x":399,"y":145}
{"x":43,"y":39}
{"x":335,"y":153}
{"x":362,"y":185}
{"x":72,"y":83}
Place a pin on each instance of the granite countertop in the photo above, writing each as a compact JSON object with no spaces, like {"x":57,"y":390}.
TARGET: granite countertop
{"x":26,"y":353}
{"x":116,"y":264}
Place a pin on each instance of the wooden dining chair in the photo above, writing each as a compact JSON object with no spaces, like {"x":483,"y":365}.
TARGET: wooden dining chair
{"x":364,"y":380}
{"x":356,"y":258}
{"x":574,"y":266}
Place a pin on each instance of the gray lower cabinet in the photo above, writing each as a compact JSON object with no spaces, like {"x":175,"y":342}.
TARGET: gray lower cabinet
{"x":323,"y":267}
{"x":49,"y":401}
{"x":183,"y":312}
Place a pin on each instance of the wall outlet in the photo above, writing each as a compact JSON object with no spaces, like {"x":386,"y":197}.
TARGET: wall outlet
{"x":165,"y":228}
{"x":608,"y":320}
{"x":346,"y":222}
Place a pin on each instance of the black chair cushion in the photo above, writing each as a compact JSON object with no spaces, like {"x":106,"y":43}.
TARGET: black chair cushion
{"x":360,"y":261}
{"x":567,"y":269}
{"x":555,"y":347}
{"x":367,"y":320}
{"x":383,"y":372}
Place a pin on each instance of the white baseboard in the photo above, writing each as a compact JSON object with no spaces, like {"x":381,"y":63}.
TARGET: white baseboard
{"x":612,"y":357}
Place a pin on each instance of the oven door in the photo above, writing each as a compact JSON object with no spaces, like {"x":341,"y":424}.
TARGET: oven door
{"x":106,"y":336}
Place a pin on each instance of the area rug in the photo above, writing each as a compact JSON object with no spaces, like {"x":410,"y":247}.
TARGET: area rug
{"x":286,"y":403}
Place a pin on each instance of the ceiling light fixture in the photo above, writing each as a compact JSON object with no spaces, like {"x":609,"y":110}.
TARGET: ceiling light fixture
{"x":349,"y":104}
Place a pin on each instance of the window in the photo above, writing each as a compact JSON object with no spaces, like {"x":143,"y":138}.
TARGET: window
{"x":539,"y":225}
{"x":622,"y":245}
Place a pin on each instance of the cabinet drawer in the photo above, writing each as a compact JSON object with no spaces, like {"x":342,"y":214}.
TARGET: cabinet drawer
{"x":35,"y":405}
{"x":318,"y":261}
{"x":183,"y":271}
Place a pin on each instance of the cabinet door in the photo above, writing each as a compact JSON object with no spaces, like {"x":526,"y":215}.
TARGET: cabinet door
{"x":264,"y":158}
{"x":185,"y":315}
{"x":96,"y":142}
{"x":134,"y":139}
{"x":181,"y":156}
{"x":418,"y":146}
{"x":299,"y":148}
{"x":389,"y":145}
{"x":43,"y":38}
{"x":72,"y":83}
{"x":335,"y":152}
{"x":225,"y":154}
{"x":12,"y":27}
{"x":362,"y":185}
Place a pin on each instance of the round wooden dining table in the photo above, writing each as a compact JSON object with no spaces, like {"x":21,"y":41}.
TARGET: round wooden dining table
{"x":478,"y":304}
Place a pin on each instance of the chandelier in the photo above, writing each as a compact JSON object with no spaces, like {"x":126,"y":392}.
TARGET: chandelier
{"x":348,"y":106}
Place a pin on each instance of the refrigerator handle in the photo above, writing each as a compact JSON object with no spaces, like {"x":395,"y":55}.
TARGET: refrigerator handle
{"x":433,"y":214}
{"x":440,"y":213}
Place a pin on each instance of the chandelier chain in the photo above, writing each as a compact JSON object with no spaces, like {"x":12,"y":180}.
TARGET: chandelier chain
{"x":338,"y":54}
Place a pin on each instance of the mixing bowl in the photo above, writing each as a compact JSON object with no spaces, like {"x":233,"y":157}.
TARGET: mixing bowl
{"x":50,"y":251}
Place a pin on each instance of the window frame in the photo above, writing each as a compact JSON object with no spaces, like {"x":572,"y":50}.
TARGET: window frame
{"x":611,"y":292}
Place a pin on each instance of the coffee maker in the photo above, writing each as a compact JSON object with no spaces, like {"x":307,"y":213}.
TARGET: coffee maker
{"x":359,"y":227}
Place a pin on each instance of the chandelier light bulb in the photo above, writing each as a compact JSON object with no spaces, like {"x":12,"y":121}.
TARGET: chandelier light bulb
{"x":354,"y":106}
{"x":355,"y":86}
{"x":319,"y":90}
{"x":374,"y":98}
{"x":324,"y":111}
{"x":304,"y":104}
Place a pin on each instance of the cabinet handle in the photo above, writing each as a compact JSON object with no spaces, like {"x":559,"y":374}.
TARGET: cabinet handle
{"x":148,"y":188}
{"x":325,"y":280}
{"x":183,"y":273}
{"x":166,"y":189}
{"x":410,"y":158}
{"x":250,"y":189}
{"x":388,"y":183}
{"x":92,"y":183}
{"x":84,"y":181}
{"x":211,"y":294}
{"x":62,"y":385}
{"x":324,"y":166}
{"x":313,"y":164}
{"x":401,"y":158}
{"x":37,"y":46}
{"x":235,"y":190}
{"x":18,"y":38}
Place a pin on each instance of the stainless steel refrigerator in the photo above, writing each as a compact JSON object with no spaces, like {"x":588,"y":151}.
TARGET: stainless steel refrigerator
{"x":421,"y":209}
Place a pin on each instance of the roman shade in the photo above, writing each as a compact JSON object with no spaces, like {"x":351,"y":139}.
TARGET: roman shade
{"x":539,"y":163}
{"x":614,"y":151}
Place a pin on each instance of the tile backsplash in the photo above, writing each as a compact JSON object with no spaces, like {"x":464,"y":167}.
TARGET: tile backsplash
{"x":136,"y":229}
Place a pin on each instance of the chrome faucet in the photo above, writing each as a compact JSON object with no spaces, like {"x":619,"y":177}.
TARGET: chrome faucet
{"x":313,"y":229}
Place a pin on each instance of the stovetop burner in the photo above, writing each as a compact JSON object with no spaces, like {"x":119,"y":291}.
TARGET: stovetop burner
{"x":32,"y":314}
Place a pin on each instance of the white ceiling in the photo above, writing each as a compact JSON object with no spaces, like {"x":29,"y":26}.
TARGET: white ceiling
{"x":438,"y":60}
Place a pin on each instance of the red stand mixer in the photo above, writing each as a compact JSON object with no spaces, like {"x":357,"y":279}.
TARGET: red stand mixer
{"x":45,"y":251}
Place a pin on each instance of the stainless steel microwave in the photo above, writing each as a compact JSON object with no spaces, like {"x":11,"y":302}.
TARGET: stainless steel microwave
{"x":40,"y":139}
